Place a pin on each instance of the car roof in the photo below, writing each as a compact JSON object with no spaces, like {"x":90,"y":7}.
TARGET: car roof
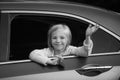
{"x":110,"y":20}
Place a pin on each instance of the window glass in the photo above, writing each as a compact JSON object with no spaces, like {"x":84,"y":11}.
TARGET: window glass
{"x":104,"y":42}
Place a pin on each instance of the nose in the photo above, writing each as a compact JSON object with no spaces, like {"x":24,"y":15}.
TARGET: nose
{"x":58,"y":40}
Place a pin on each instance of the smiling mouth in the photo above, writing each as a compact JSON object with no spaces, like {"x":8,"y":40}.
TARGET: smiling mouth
{"x":58,"y":45}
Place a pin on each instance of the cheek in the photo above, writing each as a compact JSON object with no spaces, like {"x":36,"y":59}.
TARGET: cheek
{"x":52,"y":41}
{"x":66,"y":41}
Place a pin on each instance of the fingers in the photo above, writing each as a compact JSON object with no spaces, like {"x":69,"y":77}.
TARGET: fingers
{"x":91,"y":29}
{"x":90,"y":25}
{"x":52,"y":61}
{"x":57,"y":60}
{"x":94,"y":28}
{"x":60,"y":58}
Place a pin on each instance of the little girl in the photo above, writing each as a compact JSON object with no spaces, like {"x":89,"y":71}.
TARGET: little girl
{"x":59,"y":39}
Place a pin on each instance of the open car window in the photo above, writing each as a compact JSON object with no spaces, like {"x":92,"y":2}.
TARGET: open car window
{"x":28,"y":31}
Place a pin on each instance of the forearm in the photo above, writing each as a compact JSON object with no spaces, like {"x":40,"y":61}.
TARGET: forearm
{"x":88,"y":45}
{"x":87,"y":40}
{"x":38,"y":58}
{"x":84,"y":50}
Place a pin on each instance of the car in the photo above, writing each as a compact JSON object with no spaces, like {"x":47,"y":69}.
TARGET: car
{"x":24,"y":26}
{"x":23,"y":22}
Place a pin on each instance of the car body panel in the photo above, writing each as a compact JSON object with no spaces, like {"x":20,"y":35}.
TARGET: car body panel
{"x":27,"y":69}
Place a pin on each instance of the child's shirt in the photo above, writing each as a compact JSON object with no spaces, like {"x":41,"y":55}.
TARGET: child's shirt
{"x":45,"y":54}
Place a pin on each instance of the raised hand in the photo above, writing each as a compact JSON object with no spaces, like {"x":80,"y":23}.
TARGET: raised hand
{"x":91,"y":29}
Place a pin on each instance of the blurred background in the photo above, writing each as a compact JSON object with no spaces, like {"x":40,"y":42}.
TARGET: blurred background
{"x":112,"y":5}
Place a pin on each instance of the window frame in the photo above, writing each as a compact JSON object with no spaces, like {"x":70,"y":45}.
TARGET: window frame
{"x":6,"y":32}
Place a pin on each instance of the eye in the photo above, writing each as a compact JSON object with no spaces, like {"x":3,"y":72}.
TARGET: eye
{"x":62,"y":37}
{"x":54,"y":37}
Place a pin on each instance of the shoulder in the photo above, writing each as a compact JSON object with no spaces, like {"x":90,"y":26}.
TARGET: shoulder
{"x":37,"y":51}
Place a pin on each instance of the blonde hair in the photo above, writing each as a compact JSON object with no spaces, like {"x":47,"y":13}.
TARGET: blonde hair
{"x":57,"y":27}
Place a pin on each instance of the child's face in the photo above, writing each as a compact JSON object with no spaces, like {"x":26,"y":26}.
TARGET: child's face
{"x":59,"y":40}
